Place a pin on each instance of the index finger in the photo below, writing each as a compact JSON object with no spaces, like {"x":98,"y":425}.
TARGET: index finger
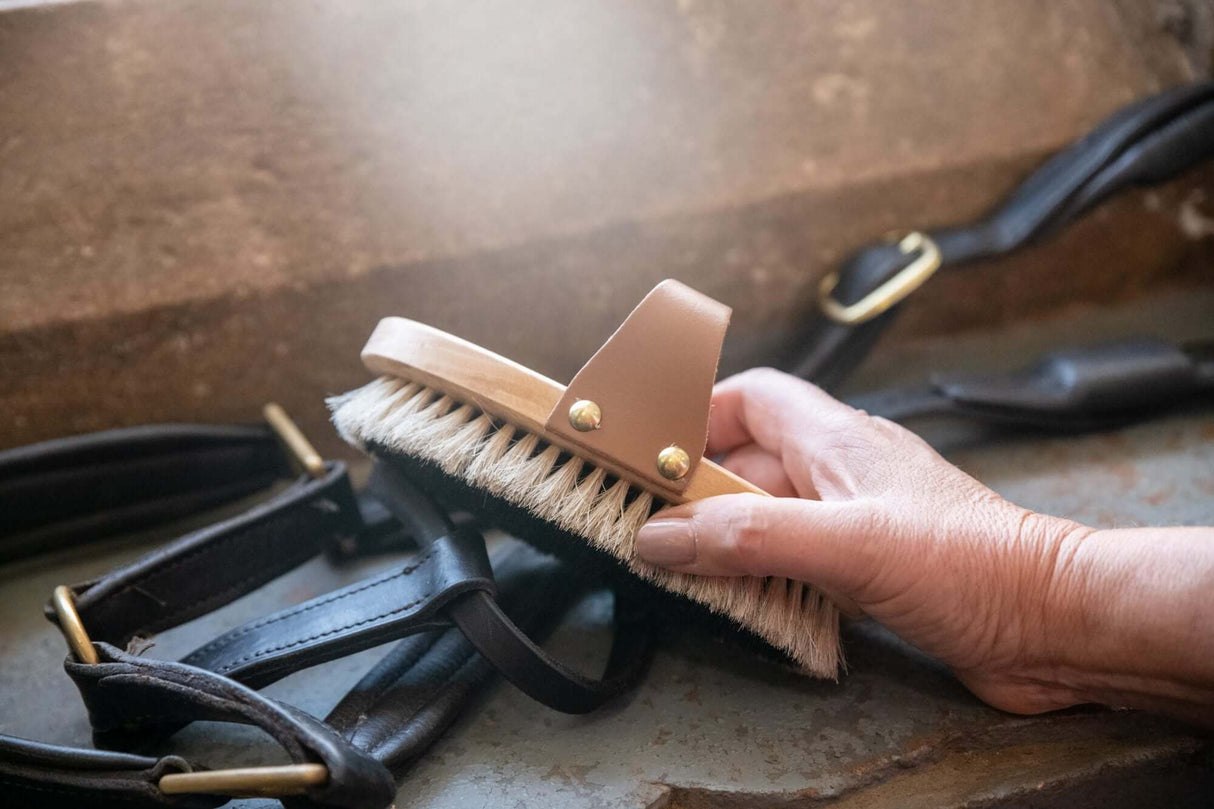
{"x":767,"y":407}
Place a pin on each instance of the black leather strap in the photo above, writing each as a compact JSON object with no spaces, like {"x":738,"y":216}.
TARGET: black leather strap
{"x":401,"y":602}
{"x":419,"y":688}
{"x":45,"y":775}
{"x":538,"y":674}
{"x":215,"y":565}
{"x":1074,"y":389}
{"x":491,"y":631}
{"x":1144,"y":143}
{"x":58,"y":493}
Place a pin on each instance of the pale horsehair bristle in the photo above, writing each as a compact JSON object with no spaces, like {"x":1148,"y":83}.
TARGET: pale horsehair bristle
{"x":580,"y":498}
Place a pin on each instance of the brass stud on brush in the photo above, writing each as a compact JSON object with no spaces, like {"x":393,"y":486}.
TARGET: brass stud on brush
{"x":585,"y":416}
{"x":673,"y":463}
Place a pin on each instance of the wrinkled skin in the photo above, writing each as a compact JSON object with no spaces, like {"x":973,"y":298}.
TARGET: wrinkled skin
{"x":1032,"y":612}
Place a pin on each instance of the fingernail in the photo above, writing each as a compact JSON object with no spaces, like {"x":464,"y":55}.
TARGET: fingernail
{"x":667,"y":542}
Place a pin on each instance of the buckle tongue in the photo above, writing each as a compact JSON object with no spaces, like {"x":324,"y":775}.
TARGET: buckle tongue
{"x":247,"y":782}
{"x":296,"y":442}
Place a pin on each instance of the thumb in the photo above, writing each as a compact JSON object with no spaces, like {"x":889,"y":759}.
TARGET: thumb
{"x":830,"y":545}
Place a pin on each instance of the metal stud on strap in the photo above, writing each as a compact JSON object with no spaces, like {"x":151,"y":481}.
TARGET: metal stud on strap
{"x":893,"y":291}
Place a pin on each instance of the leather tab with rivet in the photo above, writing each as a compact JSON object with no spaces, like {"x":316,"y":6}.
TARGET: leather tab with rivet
{"x":652,"y":382}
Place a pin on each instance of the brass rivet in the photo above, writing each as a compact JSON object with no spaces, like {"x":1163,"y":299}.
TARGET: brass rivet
{"x":674,"y":462}
{"x":585,"y":416}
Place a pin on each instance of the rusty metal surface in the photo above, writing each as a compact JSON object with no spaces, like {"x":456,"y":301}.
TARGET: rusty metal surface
{"x":713,"y":727}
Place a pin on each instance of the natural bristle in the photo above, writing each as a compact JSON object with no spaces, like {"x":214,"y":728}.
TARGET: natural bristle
{"x":581,"y":499}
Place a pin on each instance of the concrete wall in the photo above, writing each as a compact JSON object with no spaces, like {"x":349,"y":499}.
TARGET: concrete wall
{"x":204,"y":205}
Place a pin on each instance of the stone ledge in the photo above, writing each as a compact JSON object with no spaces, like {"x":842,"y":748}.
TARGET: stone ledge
{"x":206,"y":205}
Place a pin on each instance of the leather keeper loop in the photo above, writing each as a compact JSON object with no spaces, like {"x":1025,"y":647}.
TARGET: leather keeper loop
{"x":363,"y":615}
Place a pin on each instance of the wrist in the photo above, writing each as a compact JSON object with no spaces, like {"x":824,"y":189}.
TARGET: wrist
{"x":1055,"y":590}
{"x":1119,"y":618}
{"x":1035,"y":644}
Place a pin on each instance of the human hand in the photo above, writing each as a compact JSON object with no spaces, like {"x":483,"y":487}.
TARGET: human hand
{"x":867,"y":510}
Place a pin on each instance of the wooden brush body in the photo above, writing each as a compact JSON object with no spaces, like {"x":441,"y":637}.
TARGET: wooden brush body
{"x":448,"y":407}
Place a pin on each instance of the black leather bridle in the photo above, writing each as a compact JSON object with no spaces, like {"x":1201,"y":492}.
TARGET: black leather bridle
{"x":447,"y":602}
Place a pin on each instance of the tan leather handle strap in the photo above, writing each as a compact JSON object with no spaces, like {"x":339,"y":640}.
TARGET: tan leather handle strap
{"x":652,"y":384}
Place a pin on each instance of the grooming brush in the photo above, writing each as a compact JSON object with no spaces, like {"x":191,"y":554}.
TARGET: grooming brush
{"x":584,"y":465}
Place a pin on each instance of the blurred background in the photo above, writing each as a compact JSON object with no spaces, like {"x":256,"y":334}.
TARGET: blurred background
{"x":208,"y":205}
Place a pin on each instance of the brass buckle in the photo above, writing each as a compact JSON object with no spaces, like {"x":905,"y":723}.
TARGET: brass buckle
{"x":238,"y":782}
{"x":893,"y":291}
{"x":295,"y":441}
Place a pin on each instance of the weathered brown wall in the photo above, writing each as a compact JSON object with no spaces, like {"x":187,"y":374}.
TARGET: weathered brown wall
{"x":204,"y":205}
